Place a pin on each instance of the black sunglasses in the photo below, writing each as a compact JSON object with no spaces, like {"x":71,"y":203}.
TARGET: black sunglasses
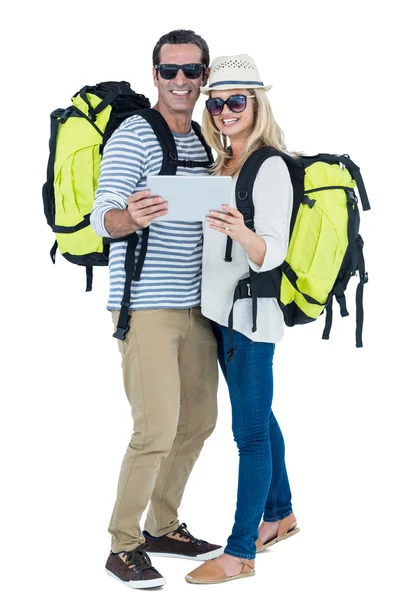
{"x":236,"y":104}
{"x":191,"y":71}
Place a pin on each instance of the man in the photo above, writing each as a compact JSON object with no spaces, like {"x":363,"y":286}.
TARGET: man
{"x":169,"y":352}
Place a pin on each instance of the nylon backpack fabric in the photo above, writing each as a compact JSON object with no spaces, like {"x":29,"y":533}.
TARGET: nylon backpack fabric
{"x":78,"y":135}
{"x":325,"y":247}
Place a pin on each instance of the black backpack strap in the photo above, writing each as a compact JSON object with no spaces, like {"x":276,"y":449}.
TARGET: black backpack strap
{"x":54,"y":126}
{"x":48,"y":187}
{"x":167,"y":142}
{"x":124,"y":318}
{"x":328,"y":319}
{"x":53,"y":252}
{"x":165,"y":137}
{"x":360,"y":292}
{"x":108,"y":99}
{"x":142,"y":253}
{"x":242,"y":290}
{"x":89,"y":278}
{"x":197,"y":129}
{"x":356,"y":174}
{"x":245,"y":183}
{"x":168,"y":167}
{"x":244,"y":203}
{"x":244,"y":190}
{"x":353,"y":225}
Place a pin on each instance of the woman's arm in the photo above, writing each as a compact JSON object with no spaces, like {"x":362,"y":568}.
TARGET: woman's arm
{"x":273,"y":202}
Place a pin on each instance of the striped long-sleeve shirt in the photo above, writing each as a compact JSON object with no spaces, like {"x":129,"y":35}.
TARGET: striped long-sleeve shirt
{"x":171,"y":274}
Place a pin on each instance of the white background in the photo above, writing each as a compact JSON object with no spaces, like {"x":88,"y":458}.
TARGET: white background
{"x":65,"y":422}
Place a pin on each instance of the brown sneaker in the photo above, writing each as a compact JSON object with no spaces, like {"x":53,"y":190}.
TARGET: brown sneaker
{"x":134,"y":569}
{"x":181,"y":544}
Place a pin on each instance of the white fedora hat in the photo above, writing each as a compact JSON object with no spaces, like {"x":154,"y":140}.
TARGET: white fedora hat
{"x":234,"y":72}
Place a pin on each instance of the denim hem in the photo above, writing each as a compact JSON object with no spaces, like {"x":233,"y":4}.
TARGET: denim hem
{"x":247,"y":557}
{"x":278,"y":518}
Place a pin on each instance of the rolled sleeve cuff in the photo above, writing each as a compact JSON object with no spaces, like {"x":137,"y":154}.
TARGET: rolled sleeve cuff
{"x":97,"y":222}
{"x":99,"y":211}
{"x":274,"y":255}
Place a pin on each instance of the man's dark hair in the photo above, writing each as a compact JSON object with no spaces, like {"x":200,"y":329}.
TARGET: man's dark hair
{"x":182,"y":36}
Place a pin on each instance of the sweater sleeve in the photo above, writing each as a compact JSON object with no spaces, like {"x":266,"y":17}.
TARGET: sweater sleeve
{"x":273,"y":202}
{"x":122,"y":166}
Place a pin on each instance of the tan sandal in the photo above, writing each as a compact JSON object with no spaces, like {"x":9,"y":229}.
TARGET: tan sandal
{"x":287,"y":528}
{"x":211,"y":572}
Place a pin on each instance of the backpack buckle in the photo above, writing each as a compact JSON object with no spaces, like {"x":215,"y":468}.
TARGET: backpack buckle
{"x":120,"y":332}
{"x":364,"y":278}
{"x":351,"y":197}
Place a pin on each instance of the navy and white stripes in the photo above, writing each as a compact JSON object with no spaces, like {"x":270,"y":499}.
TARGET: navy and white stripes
{"x":171,"y":274}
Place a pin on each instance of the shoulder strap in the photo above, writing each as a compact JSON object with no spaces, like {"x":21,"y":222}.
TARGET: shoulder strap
{"x":356,"y":174}
{"x":197,"y":130}
{"x":244,"y":191}
{"x":54,"y":125}
{"x":245,"y":183}
{"x":165,"y":137}
{"x":168,"y":167}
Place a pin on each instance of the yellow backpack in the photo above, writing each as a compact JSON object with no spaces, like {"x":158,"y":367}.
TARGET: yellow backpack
{"x":78,"y":136}
{"x":325,"y":247}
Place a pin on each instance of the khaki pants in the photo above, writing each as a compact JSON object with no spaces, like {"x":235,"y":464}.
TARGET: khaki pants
{"x":169,"y":363}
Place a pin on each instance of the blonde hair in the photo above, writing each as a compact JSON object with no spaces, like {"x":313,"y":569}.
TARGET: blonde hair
{"x":266,"y":132}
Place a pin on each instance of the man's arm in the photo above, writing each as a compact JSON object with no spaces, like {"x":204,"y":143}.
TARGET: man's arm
{"x":116,"y":211}
{"x":119,"y":223}
{"x":141,"y":211}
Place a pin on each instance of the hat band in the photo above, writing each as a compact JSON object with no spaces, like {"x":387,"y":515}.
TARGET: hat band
{"x":230,"y":82}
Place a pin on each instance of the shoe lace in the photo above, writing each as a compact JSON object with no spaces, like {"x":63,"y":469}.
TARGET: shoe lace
{"x":139,"y":558}
{"x":184,"y":532}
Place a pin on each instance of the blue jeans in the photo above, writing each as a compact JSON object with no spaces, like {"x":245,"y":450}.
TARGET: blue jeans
{"x":263,"y":486}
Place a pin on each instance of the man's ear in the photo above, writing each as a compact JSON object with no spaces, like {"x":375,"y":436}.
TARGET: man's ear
{"x":155,"y":77}
{"x":206,"y":76}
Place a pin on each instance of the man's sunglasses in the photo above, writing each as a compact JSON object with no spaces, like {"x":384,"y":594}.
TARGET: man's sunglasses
{"x":190,"y":71}
{"x":236,"y":104}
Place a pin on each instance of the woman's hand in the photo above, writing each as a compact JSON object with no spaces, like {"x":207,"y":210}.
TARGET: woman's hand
{"x":232,"y":224}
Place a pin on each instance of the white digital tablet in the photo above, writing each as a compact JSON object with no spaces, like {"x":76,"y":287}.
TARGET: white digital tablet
{"x":190,"y":198}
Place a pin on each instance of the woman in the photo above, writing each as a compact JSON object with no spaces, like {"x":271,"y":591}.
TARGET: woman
{"x":238,"y":109}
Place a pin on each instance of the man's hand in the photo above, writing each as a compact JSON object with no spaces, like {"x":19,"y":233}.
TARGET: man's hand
{"x":143,"y":208}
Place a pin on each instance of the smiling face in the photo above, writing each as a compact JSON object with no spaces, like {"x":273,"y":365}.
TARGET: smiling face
{"x":179,"y":95}
{"x":232,"y":124}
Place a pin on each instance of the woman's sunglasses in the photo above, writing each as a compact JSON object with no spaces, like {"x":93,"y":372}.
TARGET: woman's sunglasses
{"x":236,"y":104}
{"x":191,"y":71}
